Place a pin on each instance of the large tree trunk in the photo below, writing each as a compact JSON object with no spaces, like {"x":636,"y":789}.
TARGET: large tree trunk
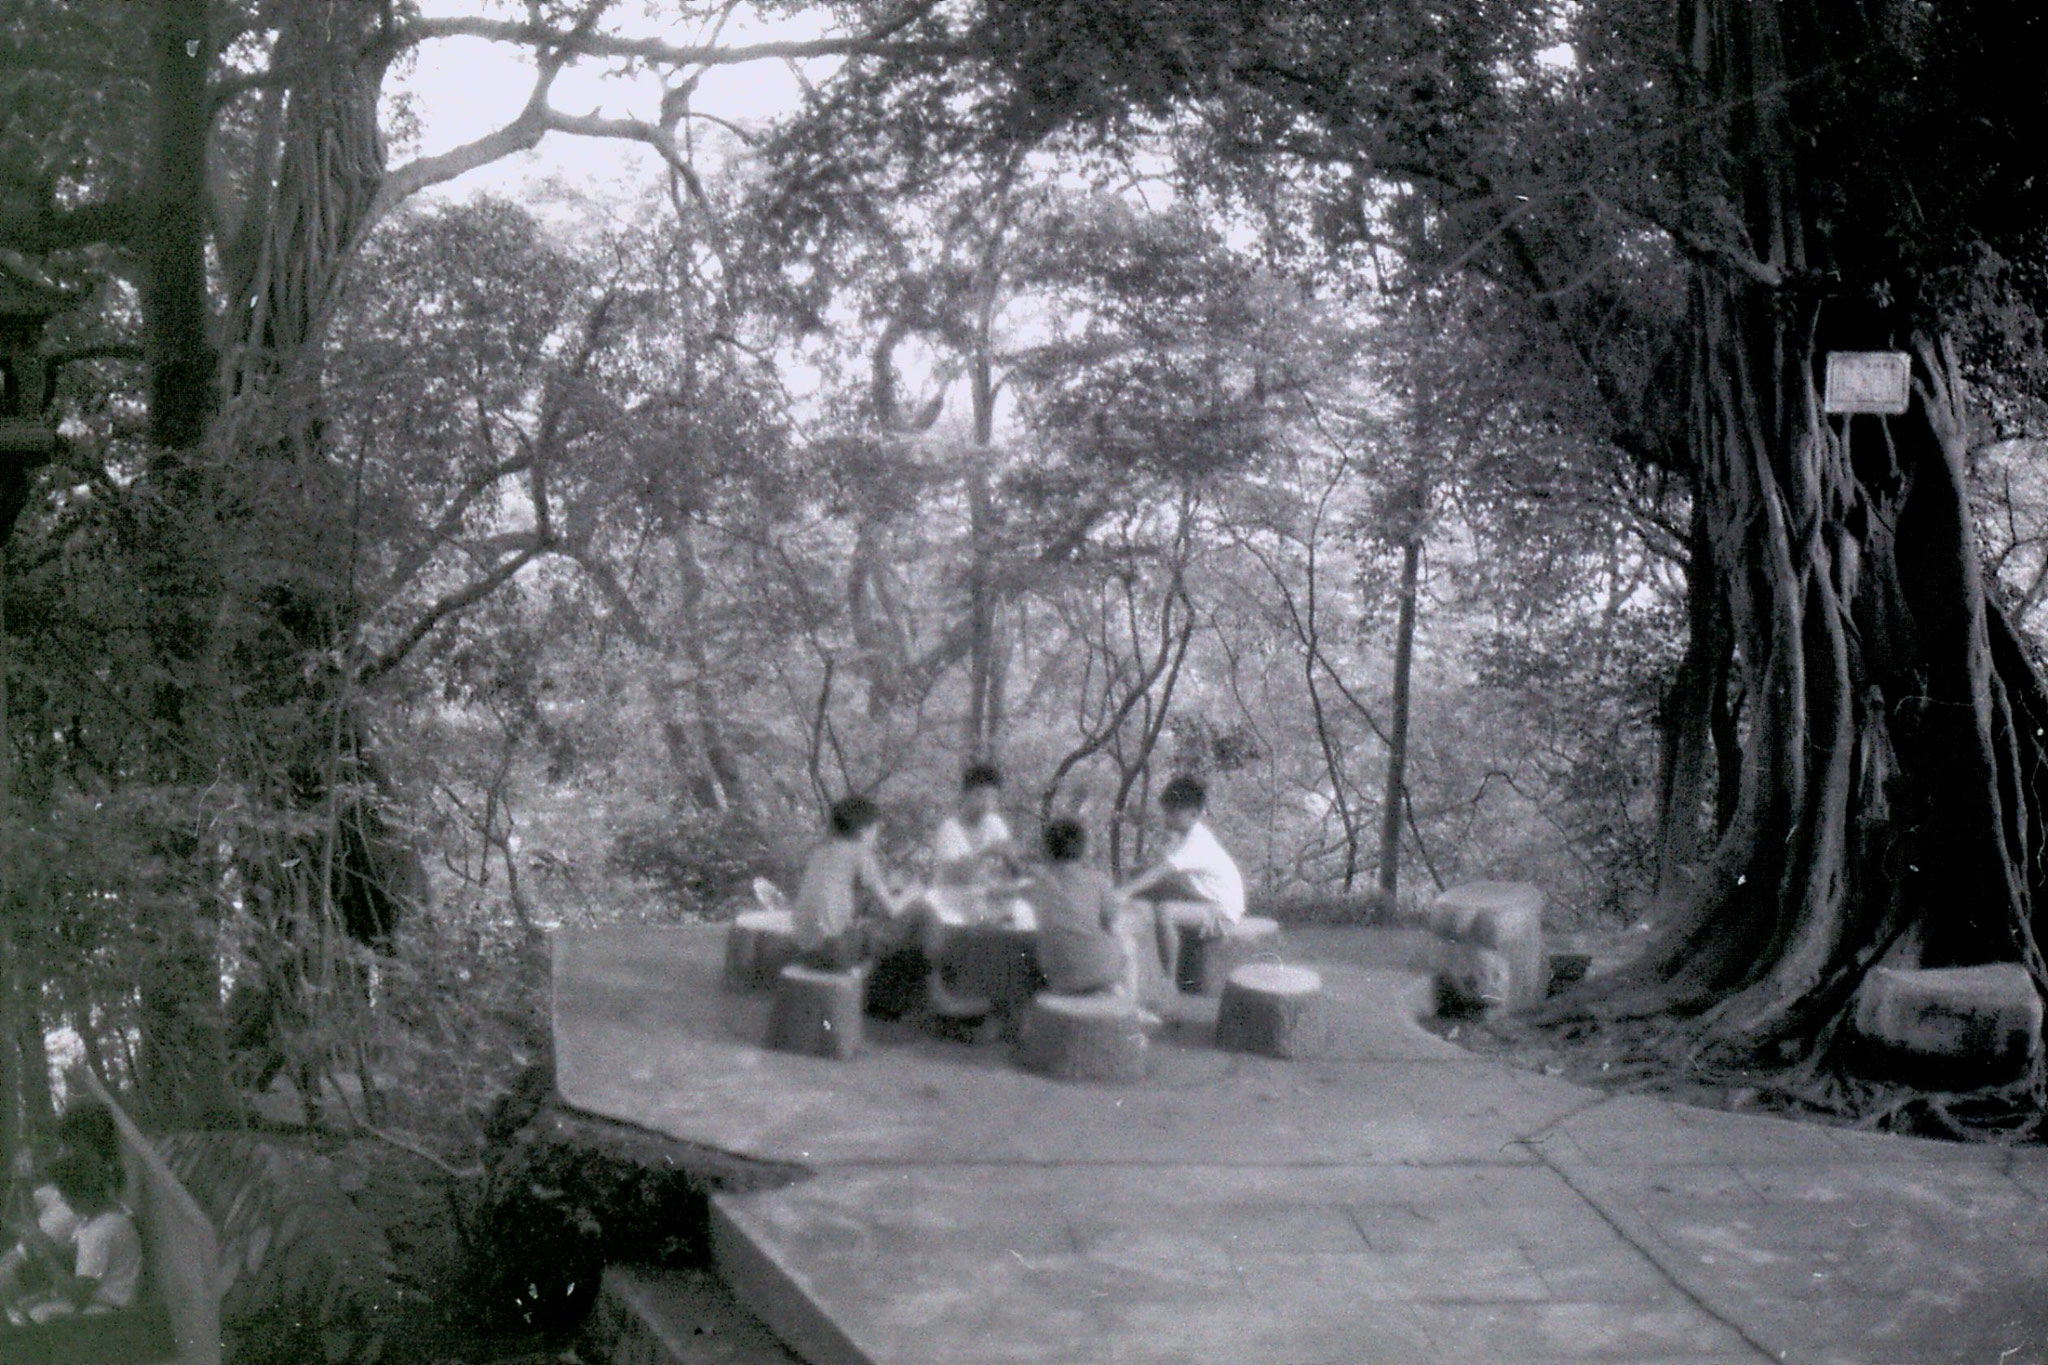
{"x":174,"y":296}
{"x":1884,"y":800}
{"x":297,"y":230}
{"x":1397,"y":720}
{"x":183,"y":1074}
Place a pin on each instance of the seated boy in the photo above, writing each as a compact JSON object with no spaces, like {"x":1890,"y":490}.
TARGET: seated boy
{"x":971,"y":846}
{"x":1197,"y":883}
{"x":972,"y":852}
{"x":844,"y":909}
{"x":1085,"y":943}
{"x":974,"y":860}
{"x":82,"y":1254}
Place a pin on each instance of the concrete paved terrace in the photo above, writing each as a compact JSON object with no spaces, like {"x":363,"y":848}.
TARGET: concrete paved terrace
{"x":1396,"y":1200}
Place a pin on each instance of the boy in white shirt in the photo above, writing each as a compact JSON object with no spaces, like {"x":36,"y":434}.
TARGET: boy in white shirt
{"x":84,"y":1243}
{"x":1197,"y":883}
{"x":970,"y":845}
{"x":971,"y":850}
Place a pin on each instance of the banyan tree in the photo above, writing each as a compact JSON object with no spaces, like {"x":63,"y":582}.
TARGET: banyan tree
{"x":1847,"y":177}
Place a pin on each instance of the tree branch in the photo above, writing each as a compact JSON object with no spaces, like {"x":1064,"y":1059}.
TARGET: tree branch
{"x":451,"y":516}
{"x":36,"y":226}
{"x":550,"y":40}
{"x":459,"y":600}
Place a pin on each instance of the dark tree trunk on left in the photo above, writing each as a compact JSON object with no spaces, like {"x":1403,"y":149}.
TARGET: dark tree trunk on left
{"x":173,"y":231}
{"x":183,"y":1053}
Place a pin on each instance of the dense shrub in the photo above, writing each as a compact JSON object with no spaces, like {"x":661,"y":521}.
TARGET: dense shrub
{"x":703,"y":860}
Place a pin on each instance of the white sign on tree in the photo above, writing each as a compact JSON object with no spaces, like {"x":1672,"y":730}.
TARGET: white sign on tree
{"x":1869,"y":381}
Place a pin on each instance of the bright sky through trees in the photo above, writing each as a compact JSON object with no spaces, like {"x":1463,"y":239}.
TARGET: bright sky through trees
{"x":462,"y":88}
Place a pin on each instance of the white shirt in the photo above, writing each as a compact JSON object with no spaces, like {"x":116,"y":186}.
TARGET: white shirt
{"x":53,"y":1215}
{"x":1210,"y":871}
{"x":954,"y":841}
{"x":110,"y":1251}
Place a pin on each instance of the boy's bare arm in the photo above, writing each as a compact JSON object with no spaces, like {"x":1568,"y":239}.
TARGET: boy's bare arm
{"x":871,"y":873}
{"x":1150,"y":877}
{"x":32,"y":1239}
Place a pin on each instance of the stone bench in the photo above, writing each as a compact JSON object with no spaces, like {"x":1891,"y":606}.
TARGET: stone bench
{"x":1272,"y":1009}
{"x":1205,"y":962}
{"x":1083,"y":1038}
{"x":818,"y":1013}
{"x":1492,"y":934}
{"x":1950,"y":1027}
{"x":758,"y":945}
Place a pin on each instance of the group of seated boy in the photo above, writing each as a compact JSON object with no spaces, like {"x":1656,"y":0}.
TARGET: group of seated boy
{"x":77,"y":1251}
{"x":1087,"y":928}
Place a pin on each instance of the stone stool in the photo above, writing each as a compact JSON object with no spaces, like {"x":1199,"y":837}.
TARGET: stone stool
{"x":1207,"y":962}
{"x":1471,"y":979}
{"x":1272,"y":1009}
{"x":1951,"y":1027}
{"x":758,"y":944}
{"x":1500,"y":917}
{"x":818,"y":1013}
{"x":1083,"y":1038}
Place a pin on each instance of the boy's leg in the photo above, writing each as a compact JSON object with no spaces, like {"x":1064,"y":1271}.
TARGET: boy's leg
{"x":1135,"y":937}
{"x":837,"y":952}
{"x":1168,"y":919}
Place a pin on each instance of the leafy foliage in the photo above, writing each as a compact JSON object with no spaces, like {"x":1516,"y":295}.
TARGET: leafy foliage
{"x":305,"y":1275}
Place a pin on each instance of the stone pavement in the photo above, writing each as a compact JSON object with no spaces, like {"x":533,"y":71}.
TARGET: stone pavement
{"x":1392,"y":1200}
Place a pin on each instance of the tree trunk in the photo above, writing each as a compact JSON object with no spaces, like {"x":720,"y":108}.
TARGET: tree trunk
{"x":1397,"y":720}
{"x":1410,"y":520}
{"x":184,"y":1073}
{"x":1688,"y":721}
{"x":729,"y":784}
{"x":174,"y":298}
{"x":1886,"y":790}
{"x":312,"y":218}
{"x":12,"y":1098}
{"x":13,"y":1082}
{"x":981,"y":646}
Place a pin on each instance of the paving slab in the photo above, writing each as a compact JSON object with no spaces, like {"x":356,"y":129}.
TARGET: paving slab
{"x":1177,"y":1263}
{"x":1827,"y":1244}
{"x":1392,"y":1199}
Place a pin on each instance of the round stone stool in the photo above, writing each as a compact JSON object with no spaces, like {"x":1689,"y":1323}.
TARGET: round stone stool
{"x":1083,"y":1038}
{"x":1206,"y":963}
{"x":818,"y":1013}
{"x":758,"y":944}
{"x":1272,"y":1009}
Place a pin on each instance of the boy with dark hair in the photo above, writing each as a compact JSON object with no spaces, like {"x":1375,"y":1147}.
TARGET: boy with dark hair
{"x":844,"y":905}
{"x":82,"y":1254}
{"x":1197,"y":883}
{"x":972,"y":855}
{"x":970,"y":844}
{"x":1084,"y":940}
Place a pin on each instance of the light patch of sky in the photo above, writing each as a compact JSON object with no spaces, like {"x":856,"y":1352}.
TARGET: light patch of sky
{"x":464,"y":88}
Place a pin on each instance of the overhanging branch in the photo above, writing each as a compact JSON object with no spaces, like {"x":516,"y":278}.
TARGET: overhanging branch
{"x":36,"y":226}
{"x":545,"y":38}
{"x":450,"y":604}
